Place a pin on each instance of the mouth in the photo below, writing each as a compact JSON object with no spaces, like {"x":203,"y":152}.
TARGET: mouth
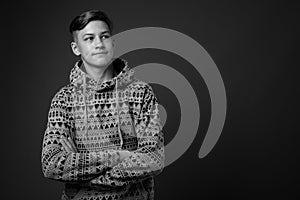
{"x":99,"y":53}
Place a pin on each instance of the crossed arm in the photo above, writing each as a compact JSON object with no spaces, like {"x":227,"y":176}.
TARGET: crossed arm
{"x":69,"y":146}
{"x":61,"y":161}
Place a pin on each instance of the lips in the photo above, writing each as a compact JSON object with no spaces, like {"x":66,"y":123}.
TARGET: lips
{"x":100,"y":53}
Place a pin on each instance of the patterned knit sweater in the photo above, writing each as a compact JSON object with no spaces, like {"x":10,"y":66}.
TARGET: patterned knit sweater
{"x":101,"y":119}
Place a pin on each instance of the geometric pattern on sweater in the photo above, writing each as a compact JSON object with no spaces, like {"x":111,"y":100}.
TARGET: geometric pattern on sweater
{"x":92,"y":114}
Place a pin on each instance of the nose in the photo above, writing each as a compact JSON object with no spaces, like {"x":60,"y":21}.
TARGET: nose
{"x":98,"y":42}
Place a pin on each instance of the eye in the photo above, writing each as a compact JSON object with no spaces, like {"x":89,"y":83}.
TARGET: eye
{"x":103,"y":37}
{"x":88,"y":38}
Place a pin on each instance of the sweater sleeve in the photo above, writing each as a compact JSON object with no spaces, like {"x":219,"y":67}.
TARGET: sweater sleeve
{"x":57,"y":163}
{"x":148,"y":159}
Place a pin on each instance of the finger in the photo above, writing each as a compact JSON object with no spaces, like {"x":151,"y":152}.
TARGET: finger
{"x":66,"y":145}
{"x":72,"y":144}
{"x":63,"y":145}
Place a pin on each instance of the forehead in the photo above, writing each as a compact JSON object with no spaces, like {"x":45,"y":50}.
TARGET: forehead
{"x":94,"y":27}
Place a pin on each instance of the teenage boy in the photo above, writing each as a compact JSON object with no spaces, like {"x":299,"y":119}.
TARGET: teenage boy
{"x":103,"y":136}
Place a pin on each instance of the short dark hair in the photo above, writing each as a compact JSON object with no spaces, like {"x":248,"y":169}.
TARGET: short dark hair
{"x":80,"y":21}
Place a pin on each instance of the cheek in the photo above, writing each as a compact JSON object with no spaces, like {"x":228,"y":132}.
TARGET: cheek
{"x":84,"y":49}
{"x":111,"y":50}
{"x":86,"y":52}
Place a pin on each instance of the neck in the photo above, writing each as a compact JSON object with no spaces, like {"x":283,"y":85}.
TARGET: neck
{"x":100,"y":74}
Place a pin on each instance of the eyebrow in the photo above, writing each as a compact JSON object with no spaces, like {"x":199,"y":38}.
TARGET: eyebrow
{"x":104,"y":32}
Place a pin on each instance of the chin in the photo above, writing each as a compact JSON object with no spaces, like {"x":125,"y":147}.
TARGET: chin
{"x":102,"y":63}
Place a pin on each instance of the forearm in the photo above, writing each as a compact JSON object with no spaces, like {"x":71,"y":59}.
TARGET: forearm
{"x":61,"y":165}
{"x":141,"y":163}
{"x":146,"y":161}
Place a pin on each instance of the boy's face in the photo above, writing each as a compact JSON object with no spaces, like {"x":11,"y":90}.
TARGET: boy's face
{"x":94,"y":44}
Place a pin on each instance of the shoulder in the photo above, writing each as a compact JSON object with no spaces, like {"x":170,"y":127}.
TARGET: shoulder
{"x":140,"y":86}
{"x":143,"y":91}
{"x":63,"y":94}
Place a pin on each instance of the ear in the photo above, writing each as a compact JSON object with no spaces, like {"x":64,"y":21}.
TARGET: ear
{"x":113,"y":42}
{"x":75,"y":48}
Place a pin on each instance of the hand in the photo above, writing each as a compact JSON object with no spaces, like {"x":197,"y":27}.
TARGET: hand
{"x":124,"y":154}
{"x":68,"y":145}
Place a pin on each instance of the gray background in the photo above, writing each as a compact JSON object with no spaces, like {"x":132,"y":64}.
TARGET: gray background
{"x":254,"y":45}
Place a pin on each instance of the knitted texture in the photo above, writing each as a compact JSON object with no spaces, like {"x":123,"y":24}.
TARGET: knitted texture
{"x":97,"y":120}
